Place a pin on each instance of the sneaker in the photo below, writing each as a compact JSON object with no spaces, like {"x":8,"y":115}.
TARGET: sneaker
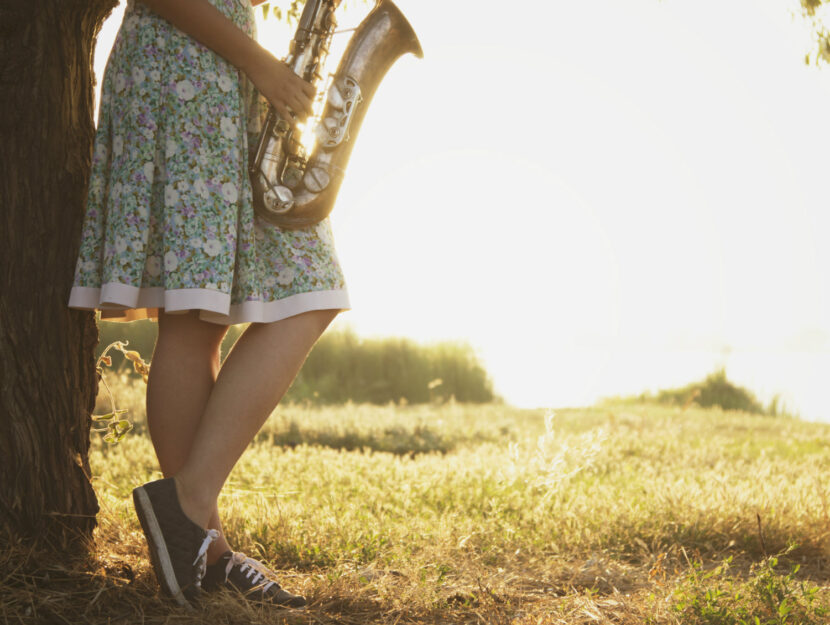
{"x":177,"y":545}
{"x":250,"y":577}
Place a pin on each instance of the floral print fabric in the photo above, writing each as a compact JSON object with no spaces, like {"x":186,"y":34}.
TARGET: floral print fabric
{"x":170,"y":221}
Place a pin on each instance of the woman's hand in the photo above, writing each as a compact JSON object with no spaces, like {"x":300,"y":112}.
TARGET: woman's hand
{"x":288,"y":93}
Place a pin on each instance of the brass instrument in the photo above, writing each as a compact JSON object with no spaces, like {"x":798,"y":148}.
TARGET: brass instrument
{"x":290,"y":188}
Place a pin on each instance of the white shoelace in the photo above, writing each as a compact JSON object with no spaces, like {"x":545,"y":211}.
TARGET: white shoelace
{"x":255,"y":569}
{"x":201,"y":557}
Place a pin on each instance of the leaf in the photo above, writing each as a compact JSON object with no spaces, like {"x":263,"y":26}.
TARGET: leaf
{"x":103,"y":417}
{"x":265,"y":11}
{"x":133,"y":355}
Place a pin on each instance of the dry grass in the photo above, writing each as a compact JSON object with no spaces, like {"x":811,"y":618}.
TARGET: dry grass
{"x":600,"y":515}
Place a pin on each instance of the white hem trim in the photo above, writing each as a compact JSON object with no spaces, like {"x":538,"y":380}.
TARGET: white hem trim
{"x":213,"y":306}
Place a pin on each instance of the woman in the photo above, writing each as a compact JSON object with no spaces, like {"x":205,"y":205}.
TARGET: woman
{"x":170,"y":233}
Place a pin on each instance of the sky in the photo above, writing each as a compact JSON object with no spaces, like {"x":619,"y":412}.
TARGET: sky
{"x":601,"y":197}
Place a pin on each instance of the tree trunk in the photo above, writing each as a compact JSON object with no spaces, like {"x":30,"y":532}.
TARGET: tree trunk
{"x":47,"y":364}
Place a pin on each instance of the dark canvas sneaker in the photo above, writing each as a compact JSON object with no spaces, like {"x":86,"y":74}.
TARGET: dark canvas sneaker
{"x":236,"y":571}
{"x":177,"y":545}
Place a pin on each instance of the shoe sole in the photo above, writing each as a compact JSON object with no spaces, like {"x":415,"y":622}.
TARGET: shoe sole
{"x":159,"y":556}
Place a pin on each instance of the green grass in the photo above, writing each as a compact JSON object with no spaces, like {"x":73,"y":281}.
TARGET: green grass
{"x":460,"y":513}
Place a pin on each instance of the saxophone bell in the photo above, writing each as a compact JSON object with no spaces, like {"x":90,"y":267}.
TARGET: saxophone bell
{"x":289,"y":190}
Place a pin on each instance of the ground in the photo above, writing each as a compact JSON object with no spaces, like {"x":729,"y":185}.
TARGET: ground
{"x":484,"y":514}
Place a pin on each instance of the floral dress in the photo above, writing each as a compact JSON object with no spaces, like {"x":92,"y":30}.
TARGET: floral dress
{"x":169,"y":218}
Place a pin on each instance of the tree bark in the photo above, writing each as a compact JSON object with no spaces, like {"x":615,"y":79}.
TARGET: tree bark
{"x":47,"y":364}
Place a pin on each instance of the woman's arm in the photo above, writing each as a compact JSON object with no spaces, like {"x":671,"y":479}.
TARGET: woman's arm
{"x":275,"y":80}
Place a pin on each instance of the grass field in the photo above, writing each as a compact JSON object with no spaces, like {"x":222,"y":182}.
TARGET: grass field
{"x":489,"y":514}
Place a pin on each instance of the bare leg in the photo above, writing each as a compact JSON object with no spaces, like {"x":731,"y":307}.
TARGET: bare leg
{"x":253,"y":378}
{"x":184,"y":368}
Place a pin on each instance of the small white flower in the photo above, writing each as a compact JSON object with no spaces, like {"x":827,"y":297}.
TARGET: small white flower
{"x":149,"y":171}
{"x":171,"y":196}
{"x":141,"y":211}
{"x":270,"y":282}
{"x":211,"y":77}
{"x":229,"y":192}
{"x":212,"y":247}
{"x":137,"y":245}
{"x":259,"y":233}
{"x":153,"y":265}
{"x":185,"y":90}
{"x":120,"y":245}
{"x":116,"y":190}
{"x":170,"y":261}
{"x":195,"y":242}
{"x":203,"y":156}
{"x":171,"y":148}
{"x":96,"y":185}
{"x":286,"y":276}
{"x":138,"y":75}
{"x":160,"y":42}
{"x":178,"y":219}
{"x":100,"y":152}
{"x":120,"y":82}
{"x":182,"y":186}
{"x":200,"y":188}
{"x":155,"y":75}
{"x":225,"y":83}
{"x":89,"y":265}
{"x":228,"y":127}
{"x":117,"y":145}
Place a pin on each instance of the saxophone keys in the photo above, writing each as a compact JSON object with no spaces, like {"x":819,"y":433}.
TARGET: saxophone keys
{"x":335,"y":98}
{"x":328,"y":132}
{"x":316,"y":179}
{"x":278,"y":200}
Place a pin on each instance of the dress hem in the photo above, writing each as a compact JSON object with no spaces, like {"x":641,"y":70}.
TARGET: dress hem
{"x":213,"y":306}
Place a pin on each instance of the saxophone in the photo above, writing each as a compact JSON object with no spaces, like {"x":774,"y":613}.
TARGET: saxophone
{"x":293,"y":189}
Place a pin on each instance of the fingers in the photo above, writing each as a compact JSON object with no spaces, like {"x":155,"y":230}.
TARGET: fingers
{"x":282,"y":110}
{"x":289,"y":94}
{"x":308,"y":89}
{"x":301,"y":104}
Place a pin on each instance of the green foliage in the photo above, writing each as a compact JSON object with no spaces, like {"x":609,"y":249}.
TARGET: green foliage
{"x":816,"y":11}
{"x":714,"y":390}
{"x":290,"y":10}
{"x":344,"y":367}
{"x":767,"y":597}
